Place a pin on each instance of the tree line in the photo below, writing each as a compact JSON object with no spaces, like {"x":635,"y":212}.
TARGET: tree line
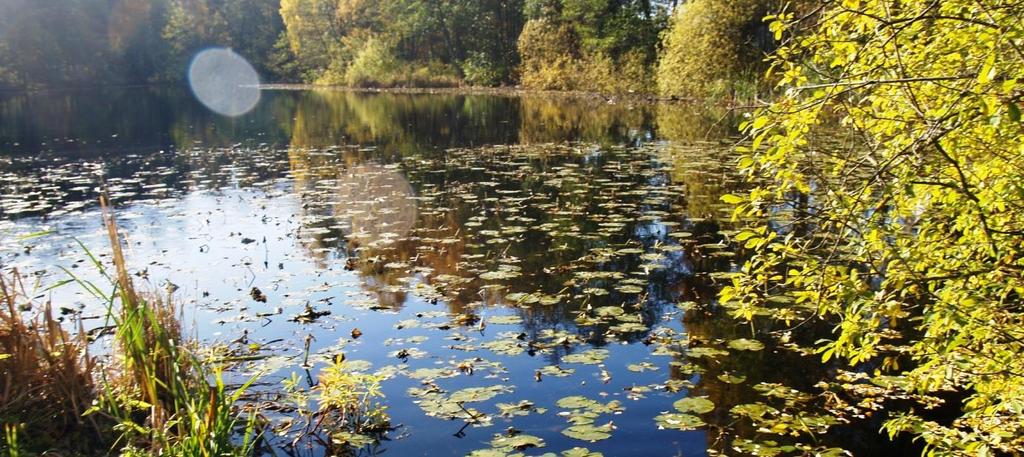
{"x":688,"y":48}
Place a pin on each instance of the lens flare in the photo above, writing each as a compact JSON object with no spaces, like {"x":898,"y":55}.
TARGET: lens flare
{"x":224,"y":81}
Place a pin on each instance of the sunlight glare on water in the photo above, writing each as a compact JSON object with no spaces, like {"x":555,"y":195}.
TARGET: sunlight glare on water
{"x":224,"y":81}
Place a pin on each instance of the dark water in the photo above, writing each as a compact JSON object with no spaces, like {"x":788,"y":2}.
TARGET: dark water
{"x":512,"y":235}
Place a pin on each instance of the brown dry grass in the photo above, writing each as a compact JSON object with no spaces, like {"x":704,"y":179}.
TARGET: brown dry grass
{"x":46,"y":374}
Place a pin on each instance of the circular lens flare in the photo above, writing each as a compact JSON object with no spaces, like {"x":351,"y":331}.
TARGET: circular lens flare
{"x":224,"y":81}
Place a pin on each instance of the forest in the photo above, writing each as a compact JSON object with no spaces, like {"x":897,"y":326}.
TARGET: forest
{"x":609,"y":46}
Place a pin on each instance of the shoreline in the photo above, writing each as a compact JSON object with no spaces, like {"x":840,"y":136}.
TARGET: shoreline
{"x":507,"y":91}
{"x":502,"y":91}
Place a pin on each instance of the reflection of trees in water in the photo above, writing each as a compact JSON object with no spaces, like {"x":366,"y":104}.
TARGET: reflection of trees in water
{"x":386,"y":245}
{"x":378,"y":203}
{"x":401,"y":124}
{"x":573,"y":194}
{"x":707,"y":324}
{"x":695,"y":123}
{"x":550,"y":120}
{"x":707,"y":170}
{"x":575,"y":209}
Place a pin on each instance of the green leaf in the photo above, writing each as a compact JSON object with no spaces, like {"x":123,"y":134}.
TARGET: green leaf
{"x":698,"y":405}
{"x":744,"y":344}
{"x":580,"y":452}
{"x":589,"y":432}
{"x":1013,"y":111}
{"x":678,"y":421}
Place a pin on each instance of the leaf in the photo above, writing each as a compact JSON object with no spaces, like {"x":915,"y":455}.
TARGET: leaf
{"x":352,"y":439}
{"x":589,"y":432}
{"x":517,"y":442}
{"x":760,"y":122}
{"x":474,"y":394}
{"x":576,"y":402}
{"x":588,"y":357}
{"x":731,"y":378}
{"x":732,"y":199}
{"x":697,"y":405}
{"x":679,"y":421}
{"x":505,"y":320}
{"x":641,"y":367}
{"x":557,"y":371}
{"x":1013,"y":111}
{"x":988,"y":70}
{"x":743,"y":344}
{"x":493,"y":453}
{"x":523,"y":408}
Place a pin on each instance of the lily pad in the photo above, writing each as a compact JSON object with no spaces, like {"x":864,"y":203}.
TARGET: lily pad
{"x":576,"y":402}
{"x":505,"y":320}
{"x":732,"y":378}
{"x":706,"y":352}
{"x":588,"y":357}
{"x":517,"y":442}
{"x":474,"y":394}
{"x":641,"y":367}
{"x":697,"y":405}
{"x":679,"y":421}
{"x":557,"y":371}
{"x":523,"y":408}
{"x":744,"y":344}
{"x":589,"y":432}
{"x":351,"y":439}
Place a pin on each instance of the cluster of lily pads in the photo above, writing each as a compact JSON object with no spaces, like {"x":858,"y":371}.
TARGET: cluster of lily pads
{"x":513,"y":264}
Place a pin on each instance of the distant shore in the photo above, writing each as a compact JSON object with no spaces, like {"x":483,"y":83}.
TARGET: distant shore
{"x":507,"y":91}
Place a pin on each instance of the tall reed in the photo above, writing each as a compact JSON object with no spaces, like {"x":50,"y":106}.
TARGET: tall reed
{"x":46,"y":374}
{"x":151,"y":396}
{"x":186,"y":415}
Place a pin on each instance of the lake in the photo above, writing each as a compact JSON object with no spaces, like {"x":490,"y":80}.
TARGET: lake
{"x":527,"y":273}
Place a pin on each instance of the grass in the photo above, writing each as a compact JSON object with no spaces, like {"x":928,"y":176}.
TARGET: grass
{"x":153,"y":395}
{"x":47,"y":374}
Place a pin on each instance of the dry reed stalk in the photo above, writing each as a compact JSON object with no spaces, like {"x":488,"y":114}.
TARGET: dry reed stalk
{"x":47,"y":374}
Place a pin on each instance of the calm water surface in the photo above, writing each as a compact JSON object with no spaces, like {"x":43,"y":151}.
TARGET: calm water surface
{"x":559,"y":247}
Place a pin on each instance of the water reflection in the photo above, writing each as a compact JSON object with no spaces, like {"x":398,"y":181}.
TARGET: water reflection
{"x":520,"y":235}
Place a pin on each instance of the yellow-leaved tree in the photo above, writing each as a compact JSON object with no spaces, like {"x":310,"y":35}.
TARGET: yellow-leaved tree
{"x":909,"y":235}
{"x":714,"y":48}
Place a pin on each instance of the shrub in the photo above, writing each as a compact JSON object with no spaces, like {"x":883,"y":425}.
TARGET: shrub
{"x":373,"y":65}
{"x":910,"y":238}
{"x":712,"y":48}
{"x":433,"y":74}
{"x":548,"y":51}
{"x":480,"y":70}
{"x":348,"y":412}
{"x":552,"y":59}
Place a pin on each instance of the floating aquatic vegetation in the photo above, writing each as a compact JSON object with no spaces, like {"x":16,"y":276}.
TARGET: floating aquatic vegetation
{"x":744,"y":344}
{"x":696,"y":405}
{"x":588,"y":357}
{"x":678,"y":421}
{"x":582,"y":413}
{"x":567,"y":264}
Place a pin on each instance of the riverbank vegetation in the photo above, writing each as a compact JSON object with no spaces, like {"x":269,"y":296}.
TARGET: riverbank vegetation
{"x":158,"y":392}
{"x":153,"y":395}
{"x":689,"y":49}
